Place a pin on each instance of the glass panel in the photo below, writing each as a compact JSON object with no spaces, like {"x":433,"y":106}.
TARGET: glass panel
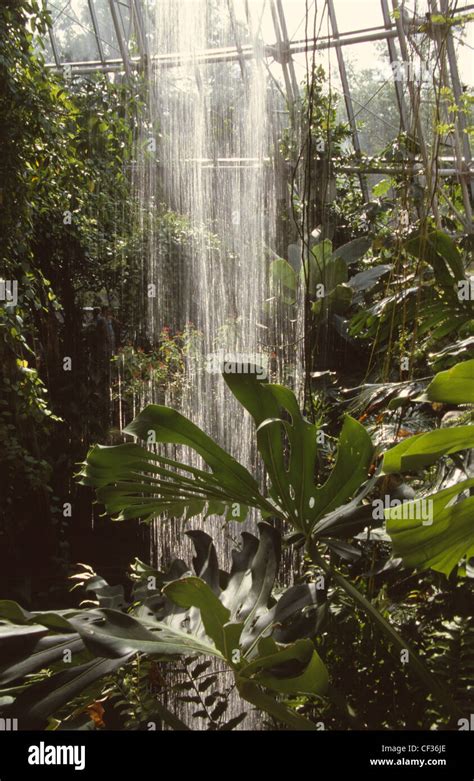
{"x":352,"y":16}
{"x":126,"y":27}
{"x":107,"y":34}
{"x":73,"y":30}
{"x":373,"y":95}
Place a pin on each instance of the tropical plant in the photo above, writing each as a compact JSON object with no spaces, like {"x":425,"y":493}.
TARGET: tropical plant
{"x":443,"y":540}
{"x":232,"y":617}
{"x":422,"y":305}
{"x":134,"y":482}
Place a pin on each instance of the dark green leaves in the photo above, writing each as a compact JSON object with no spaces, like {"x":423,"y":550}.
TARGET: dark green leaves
{"x":439,"y":540}
{"x":425,"y":449}
{"x":133,"y":482}
{"x":229,"y":616}
{"x":289,"y":447}
{"x":440,"y":251}
{"x":454,"y":386}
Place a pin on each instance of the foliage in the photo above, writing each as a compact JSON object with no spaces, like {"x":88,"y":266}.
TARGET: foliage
{"x":442,"y":540}
{"x":66,"y":237}
{"x":265,"y":642}
{"x":421,"y":308}
{"x":162,"y":368}
{"x":124,"y":477}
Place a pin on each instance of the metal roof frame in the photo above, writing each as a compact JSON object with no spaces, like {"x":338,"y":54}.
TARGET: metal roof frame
{"x":397,"y":29}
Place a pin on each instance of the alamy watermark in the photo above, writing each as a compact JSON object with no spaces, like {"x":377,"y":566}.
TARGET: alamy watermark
{"x":406,"y":71}
{"x":465,"y":289}
{"x":420,"y":72}
{"x":223,"y":362}
{"x":419,"y":510}
{"x":9,"y":291}
{"x":44,"y":754}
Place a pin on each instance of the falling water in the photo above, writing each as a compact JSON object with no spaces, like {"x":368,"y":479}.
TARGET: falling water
{"x":214,"y":169}
{"x":211,"y":136}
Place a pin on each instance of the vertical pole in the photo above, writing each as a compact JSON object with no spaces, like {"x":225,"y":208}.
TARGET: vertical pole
{"x":460,"y":119}
{"x":392,"y":50}
{"x":283,"y":54}
{"x":54,"y":46}
{"x":95,"y":25}
{"x":430,"y":166}
{"x":286,"y":44}
{"x":118,"y":33}
{"x":347,"y":94}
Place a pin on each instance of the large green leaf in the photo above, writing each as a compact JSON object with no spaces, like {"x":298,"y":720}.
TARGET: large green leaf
{"x":440,"y":251}
{"x":440,"y":541}
{"x":284,"y":280}
{"x":47,"y":650}
{"x":311,"y":676}
{"x":292,"y":468}
{"x":169,"y":426}
{"x":194,"y":592}
{"x":200,"y":615}
{"x":111,"y":633}
{"x":353,"y":250}
{"x":425,"y":449}
{"x":454,"y":386}
{"x":133,"y":482}
{"x":36,"y":703}
{"x":264,"y":661}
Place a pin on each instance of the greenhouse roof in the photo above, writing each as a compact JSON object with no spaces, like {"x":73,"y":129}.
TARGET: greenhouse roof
{"x":88,"y":36}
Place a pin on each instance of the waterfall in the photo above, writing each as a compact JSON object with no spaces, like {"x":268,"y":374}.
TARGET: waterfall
{"x":214,"y":168}
{"x":209,"y":158}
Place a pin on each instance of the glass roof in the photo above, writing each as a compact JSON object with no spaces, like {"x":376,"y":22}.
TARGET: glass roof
{"x":358,"y":42}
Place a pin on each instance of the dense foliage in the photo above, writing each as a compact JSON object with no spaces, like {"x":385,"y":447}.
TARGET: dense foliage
{"x":368,"y":489}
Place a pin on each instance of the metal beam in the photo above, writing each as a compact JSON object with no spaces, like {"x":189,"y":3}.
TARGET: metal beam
{"x":118,"y":34}
{"x":392,"y":50}
{"x":228,"y":54}
{"x":347,"y":94}
{"x":54,"y":47}
{"x":460,"y":119}
{"x":282,"y":57}
{"x":238,"y":45}
{"x":140,"y":28}
{"x":286,"y":44}
{"x":415,"y":107}
{"x":95,"y":25}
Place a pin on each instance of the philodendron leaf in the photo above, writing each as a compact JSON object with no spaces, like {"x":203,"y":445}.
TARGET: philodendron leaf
{"x":35,"y":704}
{"x":292,"y":468}
{"x":166,"y":425}
{"x":434,"y":532}
{"x":310,"y":675}
{"x":454,"y":386}
{"x":194,"y":592}
{"x":46,"y":651}
{"x":111,"y":633}
{"x":133,"y":482}
{"x":313,"y":680}
{"x":253,"y":693}
{"x":425,"y":449}
{"x":187,"y":615}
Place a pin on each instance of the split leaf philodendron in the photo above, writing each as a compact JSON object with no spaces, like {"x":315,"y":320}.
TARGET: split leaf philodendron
{"x":267,"y":643}
{"x":133,"y":482}
{"x":440,"y":541}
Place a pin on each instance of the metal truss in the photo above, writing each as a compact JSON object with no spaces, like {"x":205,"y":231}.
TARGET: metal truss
{"x":123,"y":20}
